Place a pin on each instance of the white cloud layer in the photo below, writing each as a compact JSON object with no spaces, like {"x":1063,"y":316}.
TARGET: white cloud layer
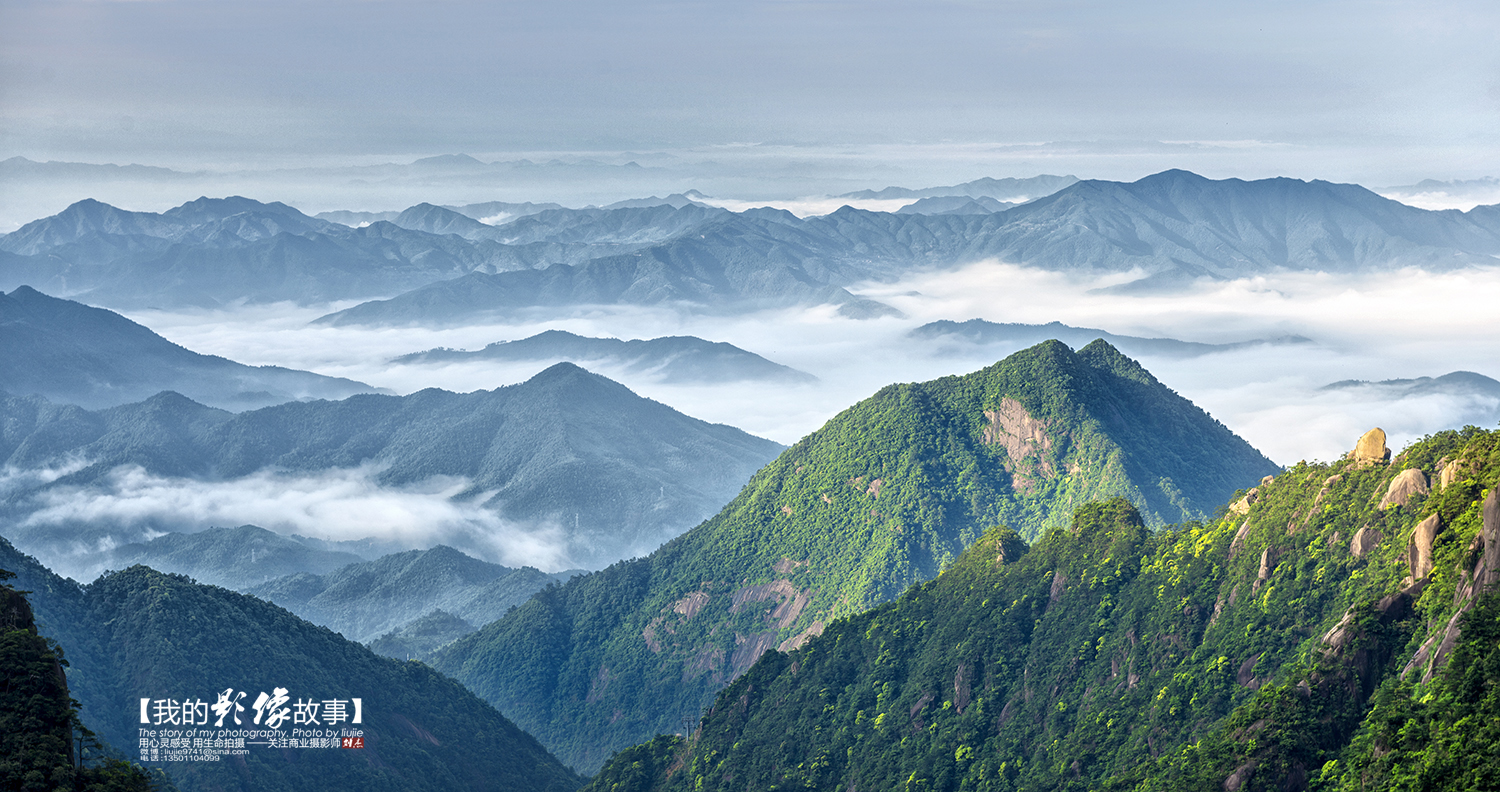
{"x":1405,"y":324}
{"x":339,"y":504}
{"x":1374,"y":327}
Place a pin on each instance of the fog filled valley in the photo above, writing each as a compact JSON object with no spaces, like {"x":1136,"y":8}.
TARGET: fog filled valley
{"x":653,"y":466}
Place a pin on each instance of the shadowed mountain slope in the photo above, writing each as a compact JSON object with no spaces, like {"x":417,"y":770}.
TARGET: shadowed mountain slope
{"x":234,"y":558}
{"x":73,"y":353}
{"x":144,"y":634}
{"x":615,"y":473}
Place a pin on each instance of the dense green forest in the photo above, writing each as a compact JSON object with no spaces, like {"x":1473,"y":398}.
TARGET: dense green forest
{"x":44,"y":747}
{"x":139,"y":633}
{"x":1336,"y":628}
{"x":885,"y":495}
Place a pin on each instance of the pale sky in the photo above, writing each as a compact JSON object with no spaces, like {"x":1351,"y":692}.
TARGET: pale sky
{"x":1376,"y":92}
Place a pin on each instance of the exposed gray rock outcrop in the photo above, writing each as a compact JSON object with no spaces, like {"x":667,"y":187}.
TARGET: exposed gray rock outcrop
{"x":1407,"y":483}
{"x":1434,"y":652}
{"x":1419,"y":547}
{"x":1242,"y":506}
{"x":1364,"y":541}
{"x":1451,"y":472}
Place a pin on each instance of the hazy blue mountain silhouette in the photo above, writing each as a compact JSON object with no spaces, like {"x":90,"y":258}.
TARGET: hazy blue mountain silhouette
{"x":614,"y":474}
{"x":366,"y":599}
{"x":978,"y":332}
{"x":1174,"y":228}
{"x":73,"y":353}
{"x":670,"y":359}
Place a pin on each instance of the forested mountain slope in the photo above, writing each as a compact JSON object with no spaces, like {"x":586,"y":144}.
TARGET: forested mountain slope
{"x":1337,"y":627}
{"x":139,"y":634}
{"x":39,"y":719}
{"x":881,"y":497}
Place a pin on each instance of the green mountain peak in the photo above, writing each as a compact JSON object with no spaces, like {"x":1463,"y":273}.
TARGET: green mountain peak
{"x":885,"y":495}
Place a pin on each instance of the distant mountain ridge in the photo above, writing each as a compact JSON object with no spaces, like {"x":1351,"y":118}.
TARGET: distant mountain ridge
{"x":366,"y":599}
{"x":350,"y":587}
{"x":1175,"y":227}
{"x":1467,"y":382}
{"x":617,"y":474}
{"x":670,"y":359}
{"x":216,"y":251}
{"x":980,"y":332}
{"x":492,"y":212}
{"x":884,"y":495}
{"x":1007,"y":189}
{"x":955,"y":204}
{"x":73,"y":353}
{"x":234,"y":558}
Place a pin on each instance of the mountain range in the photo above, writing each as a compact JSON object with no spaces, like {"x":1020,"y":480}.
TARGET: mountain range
{"x":213,"y":252}
{"x":614,"y":474}
{"x":490,"y":212}
{"x":69,"y":352}
{"x":669,"y":359}
{"x":1455,"y":383}
{"x":1337,"y":629}
{"x":351,"y":587}
{"x":1007,"y":189}
{"x":955,"y":204}
{"x":1173,"y":227}
{"x":886,"y":494}
{"x":1176,"y":227}
{"x":235,"y":558}
{"x":973,"y":334}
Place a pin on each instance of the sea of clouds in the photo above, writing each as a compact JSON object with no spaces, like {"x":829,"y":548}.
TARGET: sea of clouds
{"x":1404,"y":324}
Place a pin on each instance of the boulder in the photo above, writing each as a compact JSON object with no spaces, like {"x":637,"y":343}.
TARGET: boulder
{"x":1419,"y":547}
{"x":1452,"y":472}
{"x":1371,"y":448}
{"x":1364,"y":541}
{"x":1407,"y":483}
{"x":1242,"y":506}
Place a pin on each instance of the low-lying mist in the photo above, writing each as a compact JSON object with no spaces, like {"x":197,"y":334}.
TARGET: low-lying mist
{"x":1374,"y":327}
{"x":1405,"y":324}
{"x":132,"y":505}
